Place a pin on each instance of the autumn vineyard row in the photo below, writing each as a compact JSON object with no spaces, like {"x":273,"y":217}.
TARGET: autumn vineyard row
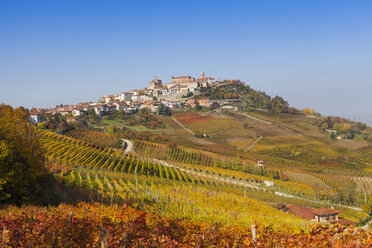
{"x":114,"y":226}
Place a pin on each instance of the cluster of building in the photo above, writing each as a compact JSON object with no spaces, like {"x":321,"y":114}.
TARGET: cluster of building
{"x":169,"y":95}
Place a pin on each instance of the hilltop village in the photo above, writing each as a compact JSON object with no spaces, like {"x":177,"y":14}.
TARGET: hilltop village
{"x":180,"y":92}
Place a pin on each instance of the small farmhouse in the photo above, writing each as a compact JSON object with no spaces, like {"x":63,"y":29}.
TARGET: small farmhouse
{"x":323,"y":215}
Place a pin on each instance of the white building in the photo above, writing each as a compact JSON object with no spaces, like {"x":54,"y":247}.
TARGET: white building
{"x":77,"y":112}
{"x":35,"y":118}
{"x":269,"y":183}
{"x":121,"y":106}
{"x":125,"y":95}
{"x":171,"y":104}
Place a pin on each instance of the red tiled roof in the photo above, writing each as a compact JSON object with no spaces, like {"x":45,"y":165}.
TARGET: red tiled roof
{"x":183,"y":77}
{"x":325,"y":211}
{"x":204,"y":78}
{"x":35,"y":111}
{"x":305,"y":213}
{"x":120,"y":103}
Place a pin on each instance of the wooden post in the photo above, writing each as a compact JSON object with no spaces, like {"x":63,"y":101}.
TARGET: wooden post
{"x":103,"y":238}
{"x":136,"y":180}
{"x":4,"y":236}
{"x":31,"y":221}
{"x":71,"y":214}
{"x":125,"y":239}
{"x":54,"y":240}
{"x":32,"y":216}
{"x":17,"y":239}
{"x":254,"y":234}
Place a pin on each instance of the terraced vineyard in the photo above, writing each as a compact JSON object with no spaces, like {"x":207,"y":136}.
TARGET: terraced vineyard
{"x":176,"y":154}
{"x":152,"y":153}
{"x":364,"y":185}
{"x":61,"y":149}
{"x":67,"y":152}
{"x":145,"y":148}
{"x":311,"y":180}
{"x":96,"y":138}
{"x":205,"y":201}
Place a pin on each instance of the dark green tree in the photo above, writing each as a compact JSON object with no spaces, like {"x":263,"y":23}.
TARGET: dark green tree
{"x":197,"y":106}
{"x":329,"y":122}
{"x":350,"y":134}
{"x":164,"y":110}
{"x":278,"y":105}
{"x":333,"y":135}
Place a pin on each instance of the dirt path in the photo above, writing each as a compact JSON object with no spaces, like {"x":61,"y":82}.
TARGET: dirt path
{"x":366,"y":226}
{"x":253,"y":143}
{"x":183,"y":126}
{"x":254,"y":118}
{"x":128,"y":145}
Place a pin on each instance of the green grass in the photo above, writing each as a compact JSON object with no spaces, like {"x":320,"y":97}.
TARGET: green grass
{"x":121,"y":124}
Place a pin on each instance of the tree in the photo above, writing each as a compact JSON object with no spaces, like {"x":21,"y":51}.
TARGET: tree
{"x":163,"y":110}
{"x":190,"y":94}
{"x":278,"y":105}
{"x":346,"y":127}
{"x":329,"y":122}
{"x":307,"y":111}
{"x":324,"y":125}
{"x":110,"y":130}
{"x":197,"y":106}
{"x":333,"y":135}
{"x":23,"y":178}
{"x":367,"y":208}
{"x":350,"y":134}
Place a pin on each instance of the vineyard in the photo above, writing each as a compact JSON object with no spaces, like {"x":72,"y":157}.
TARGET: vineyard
{"x":179,"y":164}
{"x":95,"y":138}
{"x":207,"y":201}
{"x":180,"y":185}
{"x":176,"y":154}
{"x":70,"y":151}
{"x":149,"y":152}
{"x":364,"y":184}
{"x":97,"y":225}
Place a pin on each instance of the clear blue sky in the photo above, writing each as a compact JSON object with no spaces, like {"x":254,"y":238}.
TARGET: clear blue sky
{"x":313,"y":53}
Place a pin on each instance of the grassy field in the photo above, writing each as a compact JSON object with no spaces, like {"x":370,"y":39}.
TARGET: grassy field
{"x":121,"y":124}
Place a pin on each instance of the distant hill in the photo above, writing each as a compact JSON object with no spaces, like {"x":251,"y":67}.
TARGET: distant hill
{"x":365,"y":118}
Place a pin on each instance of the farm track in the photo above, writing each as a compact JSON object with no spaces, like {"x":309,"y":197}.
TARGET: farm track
{"x":280,"y":125}
{"x":257,"y":119}
{"x":223,"y":130}
{"x":183,"y":126}
{"x":253,"y":143}
{"x":129,"y":146}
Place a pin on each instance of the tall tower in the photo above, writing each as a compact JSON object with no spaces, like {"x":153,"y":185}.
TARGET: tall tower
{"x":201,"y":74}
